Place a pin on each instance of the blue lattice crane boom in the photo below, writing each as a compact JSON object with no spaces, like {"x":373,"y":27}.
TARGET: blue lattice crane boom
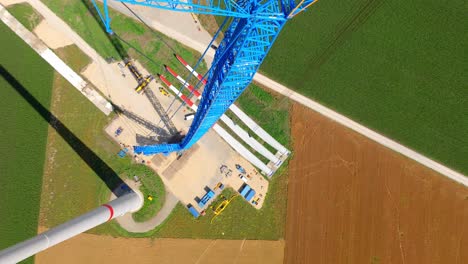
{"x":247,"y":40}
{"x":225,"y":7}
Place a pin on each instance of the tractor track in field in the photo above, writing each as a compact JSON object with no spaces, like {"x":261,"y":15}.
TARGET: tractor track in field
{"x":345,"y":27}
{"x":351,"y":200}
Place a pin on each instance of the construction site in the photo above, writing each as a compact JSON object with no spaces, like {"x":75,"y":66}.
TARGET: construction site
{"x":198,"y":175}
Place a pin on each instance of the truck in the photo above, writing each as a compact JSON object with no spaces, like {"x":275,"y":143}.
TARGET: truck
{"x":206,"y":198}
{"x":247,"y":192}
{"x":193,"y":211}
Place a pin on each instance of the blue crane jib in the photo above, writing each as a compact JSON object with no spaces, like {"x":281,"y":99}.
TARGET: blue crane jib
{"x":254,"y":27}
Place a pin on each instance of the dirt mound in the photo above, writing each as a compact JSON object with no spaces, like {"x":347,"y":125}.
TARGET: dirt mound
{"x":351,"y":200}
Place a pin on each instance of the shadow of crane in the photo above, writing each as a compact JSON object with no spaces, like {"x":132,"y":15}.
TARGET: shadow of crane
{"x":100,"y":167}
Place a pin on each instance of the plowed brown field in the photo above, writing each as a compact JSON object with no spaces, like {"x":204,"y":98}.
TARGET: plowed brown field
{"x":351,"y":200}
{"x":94,"y":249}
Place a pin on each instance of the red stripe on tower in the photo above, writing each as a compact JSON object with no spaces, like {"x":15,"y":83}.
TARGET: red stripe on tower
{"x":174,"y":90}
{"x":184,"y":82}
{"x":186,"y":100}
{"x":111,"y":211}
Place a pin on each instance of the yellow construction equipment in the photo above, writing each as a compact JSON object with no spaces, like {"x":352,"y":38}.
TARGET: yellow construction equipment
{"x":135,"y":72}
{"x":163,"y":91}
{"x":221,"y":206}
{"x":144,"y":83}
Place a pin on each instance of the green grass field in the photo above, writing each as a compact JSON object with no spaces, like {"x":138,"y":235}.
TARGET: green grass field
{"x":150,"y":185}
{"x":74,"y":57}
{"x":71,"y":186}
{"x":26,"y":15}
{"x":396,"y":67}
{"x":23,"y":137}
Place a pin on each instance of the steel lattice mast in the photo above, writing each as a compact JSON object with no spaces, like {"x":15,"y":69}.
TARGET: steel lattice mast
{"x":249,"y":37}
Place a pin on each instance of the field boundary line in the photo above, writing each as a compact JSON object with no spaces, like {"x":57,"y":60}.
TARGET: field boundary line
{"x":347,"y":122}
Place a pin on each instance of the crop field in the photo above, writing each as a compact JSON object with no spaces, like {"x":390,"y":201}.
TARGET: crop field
{"x":351,"y":200}
{"x":23,"y":135}
{"x":398,"y":67}
{"x":93,"y":249}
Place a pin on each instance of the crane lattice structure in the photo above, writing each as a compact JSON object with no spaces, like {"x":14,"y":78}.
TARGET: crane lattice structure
{"x":254,"y":27}
{"x":160,"y":110}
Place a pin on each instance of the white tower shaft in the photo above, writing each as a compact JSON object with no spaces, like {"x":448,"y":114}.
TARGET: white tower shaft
{"x":118,"y":207}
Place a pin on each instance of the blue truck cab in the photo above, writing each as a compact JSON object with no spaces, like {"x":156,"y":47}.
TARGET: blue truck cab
{"x":193,"y":211}
{"x":206,"y":198}
{"x":247,"y":192}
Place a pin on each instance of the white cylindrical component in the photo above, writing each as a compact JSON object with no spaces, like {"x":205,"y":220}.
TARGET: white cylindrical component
{"x":237,"y":146}
{"x":118,"y":207}
{"x":252,"y":142}
{"x":258,"y":130}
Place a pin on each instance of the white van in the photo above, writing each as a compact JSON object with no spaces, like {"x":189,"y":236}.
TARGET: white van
{"x":189,"y":116}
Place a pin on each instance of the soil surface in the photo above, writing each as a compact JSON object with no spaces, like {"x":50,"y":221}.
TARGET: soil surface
{"x":10,"y":2}
{"x":351,"y":200}
{"x":51,"y":37}
{"x":93,"y":249}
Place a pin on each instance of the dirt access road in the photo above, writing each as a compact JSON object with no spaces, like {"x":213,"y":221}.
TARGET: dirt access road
{"x":93,"y":249}
{"x":352,"y":200}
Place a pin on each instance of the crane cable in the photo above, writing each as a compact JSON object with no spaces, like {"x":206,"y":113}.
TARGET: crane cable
{"x":198,"y":64}
{"x":281,"y":102}
{"x":233,"y":39}
{"x":169,"y":46}
{"x":196,"y":67}
{"x":149,"y":59}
